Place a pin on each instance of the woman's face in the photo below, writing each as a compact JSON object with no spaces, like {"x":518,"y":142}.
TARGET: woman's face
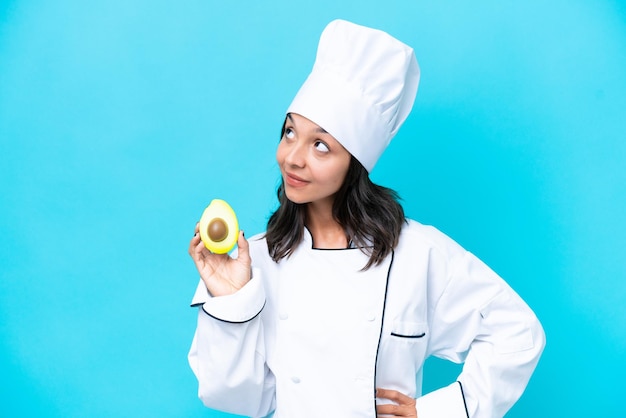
{"x":312,"y":162}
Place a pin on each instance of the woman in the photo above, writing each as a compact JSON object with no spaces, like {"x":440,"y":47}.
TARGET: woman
{"x":292,"y":328}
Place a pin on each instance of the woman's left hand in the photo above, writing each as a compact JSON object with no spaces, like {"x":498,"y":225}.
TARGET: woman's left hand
{"x":404,"y":405}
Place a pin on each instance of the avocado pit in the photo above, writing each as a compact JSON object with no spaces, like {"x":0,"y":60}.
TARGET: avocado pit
{"x":217,"y":230}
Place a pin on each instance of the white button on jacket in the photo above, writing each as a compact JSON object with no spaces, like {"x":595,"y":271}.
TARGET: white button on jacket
{"x":313,"y":335}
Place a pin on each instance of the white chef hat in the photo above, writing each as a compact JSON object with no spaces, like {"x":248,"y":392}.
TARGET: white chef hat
{"x":361,"y":88}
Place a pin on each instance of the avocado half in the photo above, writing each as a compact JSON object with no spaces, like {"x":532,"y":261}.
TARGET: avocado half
{"x":219,"y":228}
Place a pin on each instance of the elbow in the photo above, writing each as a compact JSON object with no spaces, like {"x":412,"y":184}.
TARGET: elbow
{"x":214,"y":398}
{"x":539,"y":338}
{"x":528,"y":357}
{"x":205,"y":394}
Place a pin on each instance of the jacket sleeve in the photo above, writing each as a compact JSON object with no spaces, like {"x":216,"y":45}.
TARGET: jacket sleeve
{"x":476,"y":318}
{"x":227,"y":354}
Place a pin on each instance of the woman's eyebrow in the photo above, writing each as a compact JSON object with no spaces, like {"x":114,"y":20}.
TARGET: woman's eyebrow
{"x":318,"y":129}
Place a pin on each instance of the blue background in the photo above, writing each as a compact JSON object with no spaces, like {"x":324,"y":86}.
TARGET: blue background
{"x":121,"y":120}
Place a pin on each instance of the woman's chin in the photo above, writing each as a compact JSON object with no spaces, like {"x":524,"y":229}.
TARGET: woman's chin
{"x":296,"y":198}
{"x":297,"y":201}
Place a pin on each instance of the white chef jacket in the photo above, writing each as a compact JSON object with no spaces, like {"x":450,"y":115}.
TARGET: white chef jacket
{"x":313,"y":335}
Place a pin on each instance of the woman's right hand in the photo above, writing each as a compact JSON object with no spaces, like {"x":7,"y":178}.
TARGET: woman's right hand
{"x":222,"y":274}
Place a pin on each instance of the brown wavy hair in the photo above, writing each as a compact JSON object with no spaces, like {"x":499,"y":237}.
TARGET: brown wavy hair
{"x":371,"y":216}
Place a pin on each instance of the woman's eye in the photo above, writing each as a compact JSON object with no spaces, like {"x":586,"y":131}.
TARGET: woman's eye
{"x":320,"y":146}
{"x":289,"y":133}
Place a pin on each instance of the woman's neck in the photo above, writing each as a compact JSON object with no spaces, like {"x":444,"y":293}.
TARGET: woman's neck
{"x":326,"y":232}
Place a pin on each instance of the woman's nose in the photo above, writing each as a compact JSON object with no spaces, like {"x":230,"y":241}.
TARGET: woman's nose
{"x":296,"y":156}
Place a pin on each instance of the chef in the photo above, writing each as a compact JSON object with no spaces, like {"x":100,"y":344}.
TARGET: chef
{"x":334,"y":309}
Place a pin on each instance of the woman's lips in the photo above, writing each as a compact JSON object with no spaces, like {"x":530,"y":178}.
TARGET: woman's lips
{"x":295,"y":181}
